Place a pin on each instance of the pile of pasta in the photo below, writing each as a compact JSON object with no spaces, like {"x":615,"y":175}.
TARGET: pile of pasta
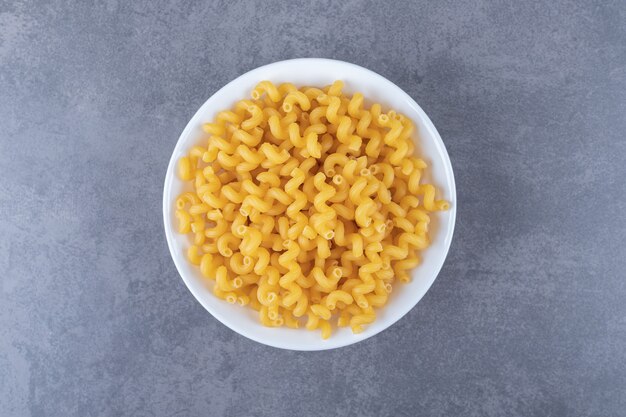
{"x":306,"y":206}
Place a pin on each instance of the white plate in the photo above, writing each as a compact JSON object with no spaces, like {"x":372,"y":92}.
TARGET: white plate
{"x":318,"y":72}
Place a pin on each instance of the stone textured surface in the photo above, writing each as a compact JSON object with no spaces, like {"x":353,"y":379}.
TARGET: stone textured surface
{"x":528,"y":315}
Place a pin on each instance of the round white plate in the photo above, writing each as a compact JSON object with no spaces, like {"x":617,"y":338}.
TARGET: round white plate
{"x":317,"y":72}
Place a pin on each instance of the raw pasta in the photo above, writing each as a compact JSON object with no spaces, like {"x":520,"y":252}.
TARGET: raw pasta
{"x":306,"y":206}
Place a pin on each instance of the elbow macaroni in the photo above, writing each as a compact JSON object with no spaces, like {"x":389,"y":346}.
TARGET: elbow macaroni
{"x":306,"y":206}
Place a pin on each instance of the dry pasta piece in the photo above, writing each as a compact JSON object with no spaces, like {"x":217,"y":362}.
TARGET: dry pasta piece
{"x":306,"y":205}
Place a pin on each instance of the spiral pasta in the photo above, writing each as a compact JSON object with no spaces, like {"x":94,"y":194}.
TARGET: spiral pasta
{"x":306,"y":206}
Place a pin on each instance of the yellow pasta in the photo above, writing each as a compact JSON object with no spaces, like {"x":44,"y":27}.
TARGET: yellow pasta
{"x":307,"y":206}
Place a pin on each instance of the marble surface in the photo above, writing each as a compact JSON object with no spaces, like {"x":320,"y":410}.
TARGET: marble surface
{"x":528,"y":315}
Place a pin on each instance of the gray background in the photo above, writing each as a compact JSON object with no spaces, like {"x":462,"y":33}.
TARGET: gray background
{"x":528,"y":315}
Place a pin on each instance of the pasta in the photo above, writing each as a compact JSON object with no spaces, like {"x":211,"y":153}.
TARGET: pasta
{"x":306,"y":206}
